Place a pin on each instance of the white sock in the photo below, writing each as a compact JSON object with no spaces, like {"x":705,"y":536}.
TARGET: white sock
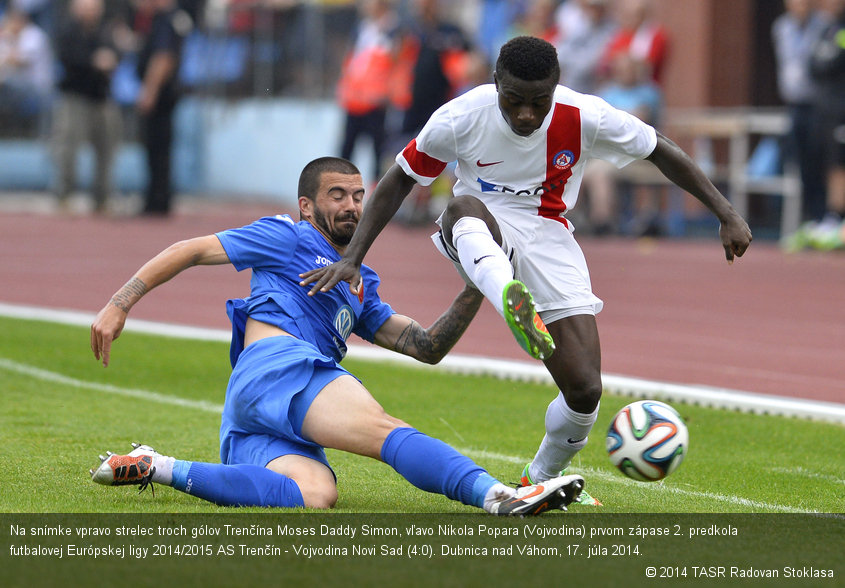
{"x":566,"y":435}
{"x":482,"y":259}
{"x":497,"y":493}
{"x":163,"y":465}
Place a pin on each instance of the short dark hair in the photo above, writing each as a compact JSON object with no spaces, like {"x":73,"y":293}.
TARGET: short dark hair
{"x":529,"y":59}
{"x":309,"y":179}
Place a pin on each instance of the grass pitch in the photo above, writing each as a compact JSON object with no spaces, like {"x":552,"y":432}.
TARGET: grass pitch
{"x":61,"y":408}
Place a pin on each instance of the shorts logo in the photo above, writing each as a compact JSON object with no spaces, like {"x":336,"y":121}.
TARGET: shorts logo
{"x":343,"y":321}
{"x":563,"y":159}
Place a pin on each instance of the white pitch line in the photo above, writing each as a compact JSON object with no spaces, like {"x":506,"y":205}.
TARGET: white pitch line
{"x":722,"y":398}
{"x":150,"y":396}
{"x":805,"y":473}
{"x":147,"y":395}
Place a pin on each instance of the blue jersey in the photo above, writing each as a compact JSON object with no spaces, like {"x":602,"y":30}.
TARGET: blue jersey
{"x":277,"y":250}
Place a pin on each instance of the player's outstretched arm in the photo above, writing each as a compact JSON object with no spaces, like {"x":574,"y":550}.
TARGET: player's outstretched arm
{"x":403,"y":334}
{"x":110,"y":321}
{"x":679,"y":167}
{"x":380,"y":208}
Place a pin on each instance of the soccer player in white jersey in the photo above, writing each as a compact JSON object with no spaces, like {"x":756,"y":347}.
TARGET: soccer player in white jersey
{"x":288,"y":397}
{"x":521,"y":145}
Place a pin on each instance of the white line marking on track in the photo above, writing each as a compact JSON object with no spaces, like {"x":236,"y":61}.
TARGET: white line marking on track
{"x":506,"y":369}
{"x":150,"y":396}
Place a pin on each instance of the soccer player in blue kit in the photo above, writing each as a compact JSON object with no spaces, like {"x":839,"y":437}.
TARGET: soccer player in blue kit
{"x":288,"y":398}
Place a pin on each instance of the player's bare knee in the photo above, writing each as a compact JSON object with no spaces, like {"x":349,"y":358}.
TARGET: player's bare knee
{"x":315,"y":480}
{"x":318,"y":495}
{"x":463,"y":206}
{"x":584,"y":400}
{"x":583,"y":393}
{"x":578,"y":381}
{"x":318,"y":490}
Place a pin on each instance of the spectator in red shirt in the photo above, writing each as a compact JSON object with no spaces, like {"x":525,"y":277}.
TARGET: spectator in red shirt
{"x":364,"y":87}
{"x":640,"y":36}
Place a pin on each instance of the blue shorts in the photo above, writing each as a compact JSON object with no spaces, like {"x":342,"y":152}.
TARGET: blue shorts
{"x":272,"y":386}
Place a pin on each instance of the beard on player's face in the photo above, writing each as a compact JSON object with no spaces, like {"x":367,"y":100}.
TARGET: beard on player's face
{"x":342,"y":228}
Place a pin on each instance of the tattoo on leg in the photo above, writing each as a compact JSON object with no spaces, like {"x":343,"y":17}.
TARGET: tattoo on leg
{"x":128,"y":294}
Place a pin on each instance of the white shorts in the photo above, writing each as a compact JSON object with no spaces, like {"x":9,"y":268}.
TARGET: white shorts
{"x":547,"y":259}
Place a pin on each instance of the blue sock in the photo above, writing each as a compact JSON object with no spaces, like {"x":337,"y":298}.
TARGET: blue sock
{"x":433,"y":466}
{"x":235,"y":485}
{"x":480,"y":487}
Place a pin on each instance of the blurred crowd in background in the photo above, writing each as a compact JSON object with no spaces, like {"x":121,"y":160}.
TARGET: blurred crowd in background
{"x":103,"y":72}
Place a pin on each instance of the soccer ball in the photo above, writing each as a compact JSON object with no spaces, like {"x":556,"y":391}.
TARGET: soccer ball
{"x":647,"y":440}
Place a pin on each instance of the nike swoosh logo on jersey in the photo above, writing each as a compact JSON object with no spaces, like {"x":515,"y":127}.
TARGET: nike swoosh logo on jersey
{"x":476,"y":260}
{"x":479,"y":164}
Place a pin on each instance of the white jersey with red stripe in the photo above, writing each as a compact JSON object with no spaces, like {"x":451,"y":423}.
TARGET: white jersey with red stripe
{"x":539,"y":174}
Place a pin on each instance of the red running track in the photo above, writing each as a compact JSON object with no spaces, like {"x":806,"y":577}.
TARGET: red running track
{"x":675,"y":311}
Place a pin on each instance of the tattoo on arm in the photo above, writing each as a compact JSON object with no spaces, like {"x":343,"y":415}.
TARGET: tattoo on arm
{"x":409,"y":338}
{"x":432,"y":344}
{"x":129,"y":294}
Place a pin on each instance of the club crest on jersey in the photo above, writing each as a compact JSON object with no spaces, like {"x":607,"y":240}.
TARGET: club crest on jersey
{"x":563,"y":159}
{"x":343,"y":321}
